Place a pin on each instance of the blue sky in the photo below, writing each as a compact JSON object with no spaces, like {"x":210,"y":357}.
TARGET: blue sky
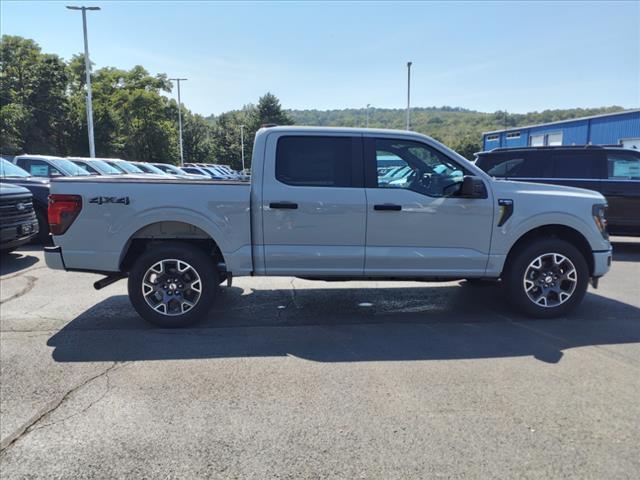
{"x":486,"y":56}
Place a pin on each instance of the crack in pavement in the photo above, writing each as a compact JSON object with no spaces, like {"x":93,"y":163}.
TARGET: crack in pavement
{"x":31,"y":281}
{"x":91,"y":404}
{"x":48,"y":409}
{"x":19,"y":274}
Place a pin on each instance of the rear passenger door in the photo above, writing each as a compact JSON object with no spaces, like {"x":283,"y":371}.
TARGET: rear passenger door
{"x":313,"y":205}
{"x":581,"y":169}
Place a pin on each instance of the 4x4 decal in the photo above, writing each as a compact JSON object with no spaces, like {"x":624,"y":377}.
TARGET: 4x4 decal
{"x":103,"y":200}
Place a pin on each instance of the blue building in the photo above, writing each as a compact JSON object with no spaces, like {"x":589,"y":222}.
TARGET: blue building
{"x":621,"y":128}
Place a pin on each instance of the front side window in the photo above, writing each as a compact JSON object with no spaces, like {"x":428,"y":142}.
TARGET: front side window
{"x":317,"y":161}
{"x":423,"y":169}
{"x":623,"y":166}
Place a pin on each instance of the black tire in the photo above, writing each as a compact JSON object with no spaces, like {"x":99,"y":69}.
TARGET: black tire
{"x":203,"y":265}
{"x":43,"y":236}
{"x":518,"y":264}
{"x":7,"y":251}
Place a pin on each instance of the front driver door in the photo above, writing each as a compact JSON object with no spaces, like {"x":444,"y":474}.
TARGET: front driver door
{"x":417,"y":225}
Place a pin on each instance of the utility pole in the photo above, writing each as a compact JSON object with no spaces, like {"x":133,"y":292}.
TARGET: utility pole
{"x":87,"y":68}
{"x":178,"y":80}
{"x":242,"y":145}
{"x":409,"y":95}
{"x":368,"y":105}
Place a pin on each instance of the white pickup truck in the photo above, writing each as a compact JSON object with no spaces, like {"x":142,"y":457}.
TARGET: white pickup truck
{"x":318,"y":208}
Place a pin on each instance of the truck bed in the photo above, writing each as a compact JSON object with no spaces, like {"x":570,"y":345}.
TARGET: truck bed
{"x":116,"y":210}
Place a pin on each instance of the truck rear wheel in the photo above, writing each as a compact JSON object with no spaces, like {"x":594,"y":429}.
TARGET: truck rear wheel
{"x":173,"y":284}
{"x":546,"y":278}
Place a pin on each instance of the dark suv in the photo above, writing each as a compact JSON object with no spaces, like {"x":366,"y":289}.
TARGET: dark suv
{"x":612,"y":171}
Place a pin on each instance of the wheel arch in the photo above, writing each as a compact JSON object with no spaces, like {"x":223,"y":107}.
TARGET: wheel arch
{"x":168,"y":230}
{"x":563,"y":232}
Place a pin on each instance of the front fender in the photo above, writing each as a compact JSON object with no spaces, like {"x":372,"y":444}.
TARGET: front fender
{"x":506,"y":236}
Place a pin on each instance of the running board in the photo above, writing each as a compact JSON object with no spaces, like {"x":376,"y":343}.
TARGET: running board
{"x":108,"y":280}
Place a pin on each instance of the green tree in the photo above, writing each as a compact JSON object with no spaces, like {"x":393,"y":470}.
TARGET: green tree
{"x":269,"y":111}
{"x":33,"y":100}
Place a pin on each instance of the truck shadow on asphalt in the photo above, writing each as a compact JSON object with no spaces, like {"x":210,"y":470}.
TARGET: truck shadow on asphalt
{"x":18,"y":260}
{"x":348,"y":325}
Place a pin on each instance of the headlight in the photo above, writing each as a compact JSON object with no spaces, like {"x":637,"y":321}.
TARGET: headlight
{"x":598,"y":211}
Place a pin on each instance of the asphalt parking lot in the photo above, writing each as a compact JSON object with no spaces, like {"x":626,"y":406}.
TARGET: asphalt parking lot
{"x":297,"y":379}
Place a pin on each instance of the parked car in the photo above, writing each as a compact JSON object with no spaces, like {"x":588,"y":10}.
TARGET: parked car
{"x":202,"y":171}
{"x":173,"y":170}
{"x":612,"y":171}
{"x":47,"y":166}
{"x":18,"y":222}
{"x":39,"y":188}
{"x":150,"y":168}
{"x":95,"y":166}
{"x":315,"y":209}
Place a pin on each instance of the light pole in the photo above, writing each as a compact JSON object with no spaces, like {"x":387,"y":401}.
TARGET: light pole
{"x":87,"y":68}
{"x":178,"y":80}
{"x":409,"y":95}
{"x":368,"y":105}
{"x":242,"y":145}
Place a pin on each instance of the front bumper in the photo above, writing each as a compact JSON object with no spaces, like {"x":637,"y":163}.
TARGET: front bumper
{"x":18,"y":234}
{"x":53,"y":258}
{"x":601,"y":263}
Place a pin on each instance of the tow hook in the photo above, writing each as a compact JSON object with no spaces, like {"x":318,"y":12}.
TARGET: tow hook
{"x":108,"y":280}
{"x":594,"y":281}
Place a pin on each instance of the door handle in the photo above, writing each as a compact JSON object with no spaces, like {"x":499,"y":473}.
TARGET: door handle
{"x":388,"y":206}
{"x":284,"y":205}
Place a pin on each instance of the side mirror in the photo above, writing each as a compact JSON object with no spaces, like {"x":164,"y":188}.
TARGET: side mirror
{"x":473,"y":187}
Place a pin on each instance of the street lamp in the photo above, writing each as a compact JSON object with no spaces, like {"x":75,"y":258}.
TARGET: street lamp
{"x":178,"y":80}
{"x":242,"y":145}
{"x":87,"y":68}
{"x":368,"y":105}
{"x":409,"y":95}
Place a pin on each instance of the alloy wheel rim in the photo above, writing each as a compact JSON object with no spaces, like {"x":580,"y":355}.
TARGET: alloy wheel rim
{"x":171,"y":287}
{"x":550,"y":280}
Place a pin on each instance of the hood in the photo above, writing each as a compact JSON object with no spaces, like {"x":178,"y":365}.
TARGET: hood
{"x":507,"y":187}
{"x":36,"y":181}
{"x":8,"y":189}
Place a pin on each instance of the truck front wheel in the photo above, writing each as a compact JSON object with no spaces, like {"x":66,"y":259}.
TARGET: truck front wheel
{"x":173,"y":284}
{"x":546,"y":278}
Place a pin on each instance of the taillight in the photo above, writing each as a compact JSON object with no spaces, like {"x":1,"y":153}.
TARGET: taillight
{"x":63,"y":210}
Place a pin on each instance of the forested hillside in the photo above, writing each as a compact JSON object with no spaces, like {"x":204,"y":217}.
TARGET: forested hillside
{"x":458,"y":128}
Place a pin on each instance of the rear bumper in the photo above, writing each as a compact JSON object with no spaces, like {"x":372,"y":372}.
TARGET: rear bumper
{"x":601,"y":262}
{"x":53,"y":258}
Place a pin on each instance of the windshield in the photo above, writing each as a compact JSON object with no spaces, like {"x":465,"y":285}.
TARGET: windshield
{"x":171,"y":169}
{"x":69,"y":167}
{"x":9,"y":170}
{"x":104,"y":168}
{"x":126,"y":166}
{"x":150,"y":168}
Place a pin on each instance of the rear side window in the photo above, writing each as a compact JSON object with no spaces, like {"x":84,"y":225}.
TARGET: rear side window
{"x":319,"y":161}
{"x":575,"y":165}
{"x":623,"y":166}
